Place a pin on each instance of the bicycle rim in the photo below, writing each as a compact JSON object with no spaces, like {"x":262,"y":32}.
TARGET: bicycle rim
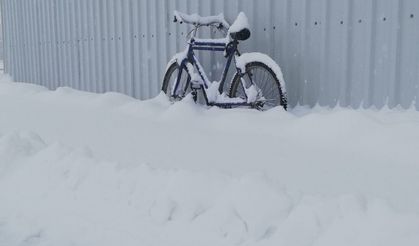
{"x":266,"y":83}
{"x":170,"y":81}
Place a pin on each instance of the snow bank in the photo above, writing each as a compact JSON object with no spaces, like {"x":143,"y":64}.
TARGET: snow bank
{"x":156,"y":173}
{"x":55,"y":195}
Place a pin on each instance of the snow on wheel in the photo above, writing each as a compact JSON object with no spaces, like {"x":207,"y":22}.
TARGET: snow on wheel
{"x":262,"y":72}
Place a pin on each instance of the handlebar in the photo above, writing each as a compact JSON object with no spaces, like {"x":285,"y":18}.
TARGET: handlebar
{"x":198,"y":20}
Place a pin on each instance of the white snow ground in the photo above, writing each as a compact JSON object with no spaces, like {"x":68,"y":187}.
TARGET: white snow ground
{"x":78,"y":168}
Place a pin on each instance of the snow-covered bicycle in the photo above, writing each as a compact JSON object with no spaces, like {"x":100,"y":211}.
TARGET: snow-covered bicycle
{"x":257,"y":83}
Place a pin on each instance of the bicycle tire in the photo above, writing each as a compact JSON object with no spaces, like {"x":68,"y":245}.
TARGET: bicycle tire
{"x":170,"y":79}
{"x":280,"y":95}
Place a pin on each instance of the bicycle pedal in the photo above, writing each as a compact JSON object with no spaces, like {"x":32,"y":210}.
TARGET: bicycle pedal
{"x":194,"y":95}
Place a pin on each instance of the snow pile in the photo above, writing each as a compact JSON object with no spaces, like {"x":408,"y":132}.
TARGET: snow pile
{"x":239,"y":24}
{"x":54,"y":195}
{"x":79,"y":168}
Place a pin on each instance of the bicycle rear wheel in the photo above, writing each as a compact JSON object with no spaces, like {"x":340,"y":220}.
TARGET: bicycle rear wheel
{"x":266,"y":81}
{"x":169,"y":82}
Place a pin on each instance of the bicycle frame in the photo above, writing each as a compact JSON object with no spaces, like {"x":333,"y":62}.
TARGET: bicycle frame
{"x":230,"y":50}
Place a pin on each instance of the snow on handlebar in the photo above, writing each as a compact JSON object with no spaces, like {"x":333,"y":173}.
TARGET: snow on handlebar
{"x":196,"y":19}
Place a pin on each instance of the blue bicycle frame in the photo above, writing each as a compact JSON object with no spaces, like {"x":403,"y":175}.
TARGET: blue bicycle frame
{"x":215,"y":45}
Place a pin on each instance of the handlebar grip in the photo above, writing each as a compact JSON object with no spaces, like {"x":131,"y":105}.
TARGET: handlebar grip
{"x":176,"y":20}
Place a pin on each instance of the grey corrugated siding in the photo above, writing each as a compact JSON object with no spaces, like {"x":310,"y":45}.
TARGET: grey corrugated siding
{"x":351,"y":52}
{"x":1,"y":42}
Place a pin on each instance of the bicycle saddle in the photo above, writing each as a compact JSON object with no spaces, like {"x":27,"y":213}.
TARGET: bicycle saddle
{"x":240,"y":29}
{"x":241,"y":35}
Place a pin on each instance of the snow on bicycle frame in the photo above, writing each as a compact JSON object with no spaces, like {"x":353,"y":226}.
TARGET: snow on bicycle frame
{"x":186,"y":61}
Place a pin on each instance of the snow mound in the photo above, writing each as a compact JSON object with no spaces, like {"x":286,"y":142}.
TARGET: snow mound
{"x":240,"y":23}
{"x":157,"y":173}
{"x":55,"y":195}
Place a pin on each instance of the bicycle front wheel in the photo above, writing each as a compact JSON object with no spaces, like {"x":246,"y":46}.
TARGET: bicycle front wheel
{"x":170,"y":79}
{"x":266,"y":81}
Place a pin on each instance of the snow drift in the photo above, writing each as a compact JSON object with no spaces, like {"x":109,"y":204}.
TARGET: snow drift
{"x":54,"y":195}
{"x":78,"y":168}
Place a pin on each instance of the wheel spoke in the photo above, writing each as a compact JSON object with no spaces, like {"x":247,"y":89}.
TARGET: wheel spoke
{"x":265,"y":81}
{"x":171,"y":77}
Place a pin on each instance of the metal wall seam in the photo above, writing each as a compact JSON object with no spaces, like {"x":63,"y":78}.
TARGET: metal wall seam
{"x":373,"y":37}
{"x":37,"y":59}
{"x":47,"y":44}
{"x":3,"y":18}
{"x":16,"y":42}
{"x":154,"y":51}
{"x":23,"y":19}
{"x":59,"y":29}
{"x":47,"y":55}
{"x":30,"y":41}
{"x":65,"y":15}
{"x":30,"y":32}
{"x":112,"y":46}
{"x":52,"y":45}
{"x":385,"y":47}
{"x":98,"y":46}
{"x":18,"y":54}
{"x":136,"y":49}
{"x":69,"y":41}
{"x":151,"y":52}
{"x":6,"y":34}
{"x":144,"y":49}
{"x":103,"y":55}
{"x":119,"y":80}
{"x":75,"y":74}
{"x":30,"y":56}
{"x":78,"y":47}
{"x":8,"y":63}
{"x":19,"y":43}
{"x":409,"y":63}
{"x":24,"y":30}
{"x":42,"y":47}
{"x":66,"y":42}
{"x":89,"y":52}
{"x":91,"y":45}
{"x":84,"y":55}
{"x":399,"y":34}
{"x":127,"y":46}
{"x":90,"y":83}
{"x":305,"y":50}
{"x":79,"y":38}
{"x":160,"y":40}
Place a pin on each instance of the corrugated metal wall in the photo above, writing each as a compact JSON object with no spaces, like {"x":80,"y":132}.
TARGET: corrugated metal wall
{"x":351,"y":52}
{"x":1,"y":43}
